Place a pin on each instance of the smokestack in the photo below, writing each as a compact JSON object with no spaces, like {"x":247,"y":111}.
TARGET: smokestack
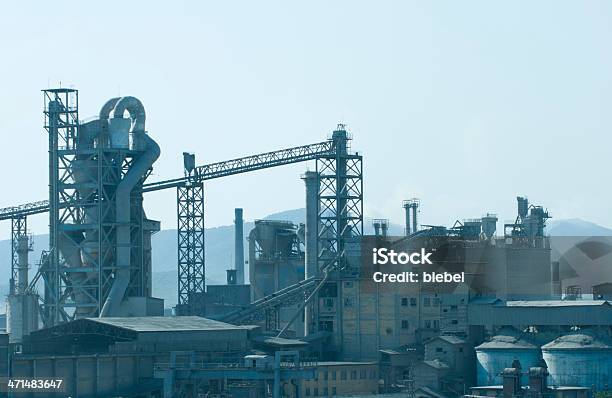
{"x":415,"y":206}
{"x":537,"y":379}
{"x":406,"y":206}
{"x":239,"y":246}
{"x":376,"y":228}
{"x":312,"y":215}
{"x":511,"y":379}
{"x":310,"y":242}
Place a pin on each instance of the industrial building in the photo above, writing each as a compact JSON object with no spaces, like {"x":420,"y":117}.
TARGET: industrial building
{"x":309,"y":320}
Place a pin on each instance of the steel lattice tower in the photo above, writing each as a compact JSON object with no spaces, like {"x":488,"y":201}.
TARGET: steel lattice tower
{"x":61,"y":122}
{"x":340,"y":182}
{"x":190,"y":235}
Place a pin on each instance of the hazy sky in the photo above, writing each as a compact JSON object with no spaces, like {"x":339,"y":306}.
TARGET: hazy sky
{"x":464,"y":104}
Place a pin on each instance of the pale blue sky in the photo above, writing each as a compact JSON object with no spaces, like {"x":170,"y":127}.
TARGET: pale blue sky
{"x":462,"y":103}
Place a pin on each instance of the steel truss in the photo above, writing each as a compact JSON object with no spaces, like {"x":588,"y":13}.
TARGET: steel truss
{"x":340,"y":226}
{"x":61,"y":122}
{"x":190,"y":234}
{"x":19,"y":229}
{"x":340,"y":217}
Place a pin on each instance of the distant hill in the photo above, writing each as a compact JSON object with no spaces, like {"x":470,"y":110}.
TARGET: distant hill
{"x":576,"y":227}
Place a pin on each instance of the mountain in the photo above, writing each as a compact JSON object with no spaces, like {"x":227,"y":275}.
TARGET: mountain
{"x":576,"y":227}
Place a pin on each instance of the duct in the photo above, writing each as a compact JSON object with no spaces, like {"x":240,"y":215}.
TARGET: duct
{"x":122,"y":198}
{"x":108,"y":107}
{"x":136,"y":110}
{"x":84,"y":171}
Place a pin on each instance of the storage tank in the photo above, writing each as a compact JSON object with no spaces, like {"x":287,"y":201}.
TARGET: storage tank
{"x":582,"y":359}
{"x":500,"y":351}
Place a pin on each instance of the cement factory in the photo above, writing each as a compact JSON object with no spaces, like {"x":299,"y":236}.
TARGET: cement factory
{"x":307,"y":320}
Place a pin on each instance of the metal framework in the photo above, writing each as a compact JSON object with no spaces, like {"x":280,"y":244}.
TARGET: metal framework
{"x":340,"y":182}
{"x":190,"y":232}
{"x":340,"y":219}
{"x":249,"y":163}
{"x":19,"y":229}
{"x":61,"y":122}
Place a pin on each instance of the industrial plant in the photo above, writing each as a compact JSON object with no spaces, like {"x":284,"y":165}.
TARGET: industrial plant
{"x":300,"y":314}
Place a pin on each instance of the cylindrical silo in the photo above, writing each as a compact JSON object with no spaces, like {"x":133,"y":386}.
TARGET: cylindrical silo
{"x":582,"y":359}
{"x":501,"y":351}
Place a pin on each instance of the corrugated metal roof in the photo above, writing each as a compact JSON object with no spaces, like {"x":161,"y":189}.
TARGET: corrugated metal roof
{"x":437,"y":364}
{"x":278,"y":341}
{"x":343,"y":363}
{"x":451,"y":339}
{"x":165,"y":323}
{"x":555,"y":303}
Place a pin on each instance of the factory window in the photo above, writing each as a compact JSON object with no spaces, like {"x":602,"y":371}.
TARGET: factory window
{"x":436,"y":301}
{"x":329,"y":303}
{"x":372,"y":374}
{"x":333,"y":375}
{"x":438,"y":349}
{"x":316,"y":376}
{"x":453,"y":308}
{"x":428,"y":324}
{"x":404,"y":324}
{"x":343,"y":375}
{"x":427,"y":302}
{"x":325,"y":392}
{"x":316,"y":392}
{"x":454,"y":322}
{"x":460,"y":349}
{"x":413,"y":302}
{"x":404,"y":301}
{"x":325,"y":375}
{"x":363,"y":374}
{"x":354,"y":375}
{"x":436,"y":324}
{"x":348,"y":302}
{"x":334,"y":391}
{"x":307,"y":391}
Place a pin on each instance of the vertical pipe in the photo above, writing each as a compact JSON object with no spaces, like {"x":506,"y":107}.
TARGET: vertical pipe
{"x":414,"y":217}
{"x":407,"y":220}
{"x":239,"y":246}
{"x":310,"y":241}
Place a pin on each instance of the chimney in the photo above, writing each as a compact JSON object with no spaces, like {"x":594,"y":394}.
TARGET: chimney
{"x":511,"y":379}
{"x":239,"y":246}
{"x":537,"y":379}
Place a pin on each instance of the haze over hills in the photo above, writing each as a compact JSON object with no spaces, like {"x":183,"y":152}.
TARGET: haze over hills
{"x":220,"y":249}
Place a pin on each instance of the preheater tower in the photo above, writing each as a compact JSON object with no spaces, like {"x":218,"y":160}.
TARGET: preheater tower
{"x":99,"y":261}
